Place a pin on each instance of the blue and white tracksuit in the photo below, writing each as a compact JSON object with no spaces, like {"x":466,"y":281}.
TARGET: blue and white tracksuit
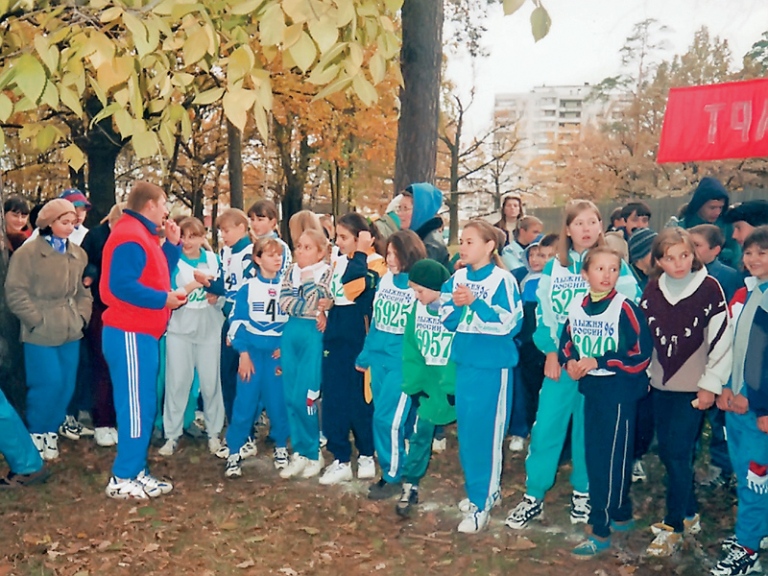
{"x":383,"y":354}
{"x":255,"y":326}
{"x":560,"y":401}
{"x":235,"y":267}
{"x":747,"y":444}
{"x":485,"y":354}
{"x":301,"y":352}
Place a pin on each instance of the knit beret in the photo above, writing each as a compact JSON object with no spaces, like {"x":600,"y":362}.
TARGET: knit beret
{"x":76,"y":197}
{"x":53,"y":210}
{"x":640,"y":244}
{"x":429,"y":273}
{"x":753,"y":212}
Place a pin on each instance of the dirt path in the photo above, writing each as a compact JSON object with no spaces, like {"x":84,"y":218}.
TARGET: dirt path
{"x":261,"y":524}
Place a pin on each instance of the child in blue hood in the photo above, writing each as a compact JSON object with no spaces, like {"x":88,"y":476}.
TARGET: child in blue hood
{"x":418,"y":212}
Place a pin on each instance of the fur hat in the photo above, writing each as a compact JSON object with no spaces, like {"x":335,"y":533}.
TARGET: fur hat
{"x":429,"y":273}
{"x":640,"y":244}
{"x":53,"y":210}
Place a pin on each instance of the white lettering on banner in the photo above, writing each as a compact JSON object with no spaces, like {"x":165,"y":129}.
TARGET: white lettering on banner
{"x":741,"y":120}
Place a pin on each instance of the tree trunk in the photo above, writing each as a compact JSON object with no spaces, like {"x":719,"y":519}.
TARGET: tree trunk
{"x":294,"y":171}
{"x":235,"y":155}
{"x":102,"y":146}
{"x":420,"y":60}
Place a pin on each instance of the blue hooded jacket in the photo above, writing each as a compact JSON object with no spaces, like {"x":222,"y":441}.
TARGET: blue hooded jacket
{"x":426,"y":202}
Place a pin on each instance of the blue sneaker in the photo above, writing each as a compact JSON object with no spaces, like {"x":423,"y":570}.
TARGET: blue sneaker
{"x":624,"y":526}
{"x":592,"y":546}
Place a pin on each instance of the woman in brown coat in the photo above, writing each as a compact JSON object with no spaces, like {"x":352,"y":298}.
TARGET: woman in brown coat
{"x":44,"y":289}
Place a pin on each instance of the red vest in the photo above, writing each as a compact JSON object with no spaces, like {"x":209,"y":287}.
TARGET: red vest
{"x":121,"y":314}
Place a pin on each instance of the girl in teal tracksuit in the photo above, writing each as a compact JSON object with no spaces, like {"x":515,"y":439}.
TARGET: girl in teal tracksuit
{"x":305,"y":284}
{"x":559,"y":401}
{"x":383,"y":354}
{"x":482,"y":305}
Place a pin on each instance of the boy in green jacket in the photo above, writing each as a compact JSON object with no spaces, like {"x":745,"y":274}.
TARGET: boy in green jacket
{"x":429,"y":376}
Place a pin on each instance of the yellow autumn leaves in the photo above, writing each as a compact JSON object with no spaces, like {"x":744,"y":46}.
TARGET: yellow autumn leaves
{"x":149,"y":62}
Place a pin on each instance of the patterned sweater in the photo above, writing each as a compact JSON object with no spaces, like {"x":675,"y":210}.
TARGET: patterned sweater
{"x":692,"y":334}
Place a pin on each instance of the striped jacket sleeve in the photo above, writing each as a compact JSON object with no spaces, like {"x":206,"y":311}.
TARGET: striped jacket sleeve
{"x":719,"y":335}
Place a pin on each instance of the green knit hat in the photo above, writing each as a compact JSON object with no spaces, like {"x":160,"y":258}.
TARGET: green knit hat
{"x":429,"y":273}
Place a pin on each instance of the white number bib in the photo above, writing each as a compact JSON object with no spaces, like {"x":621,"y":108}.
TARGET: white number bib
{"x":567,"y":287}
{"x":391,"y":306}
{"x":593,"y":336}
{"x":185,"y":274}
{"x":434,"y":340}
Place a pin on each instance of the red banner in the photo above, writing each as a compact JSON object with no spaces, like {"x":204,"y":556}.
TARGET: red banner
{"x":715,"y":122}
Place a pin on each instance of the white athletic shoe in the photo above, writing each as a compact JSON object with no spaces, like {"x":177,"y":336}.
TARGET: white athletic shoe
{"x":123,"y":489}
{"x":295,"y":467}
{"x":214,"y":444}
{"x":154,"y":487}
{"x":474,"y":521}
{"x":113,"y":432}
{"x":248,"y":450}
{"x":336,"y":472}
{"x":313,"y":467}
{"x":169,"y":447}
{"x":465,"y":505}
{"x":516,"y":444}
{"x":51,"y":446}
{"x":104,"y":436}
{"x":280,"y":458}
{"x":39,"y":441}
{"x":366,"y":467}
{"x":223,"y":451}
{"x":439,"y":446}
{"x":234,"y":469}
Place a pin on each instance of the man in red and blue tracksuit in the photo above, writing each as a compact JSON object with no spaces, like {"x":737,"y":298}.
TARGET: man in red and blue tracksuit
{"x":136,"y":288}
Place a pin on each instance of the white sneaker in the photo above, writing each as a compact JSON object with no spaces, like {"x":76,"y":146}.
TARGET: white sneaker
{"x":39,"y":441}
{"x":638,"y":472}
{"x":280,"y":458}
{"x":113,"y":433}
{"x":248,"y":450}
{"x":465,"y":505}
{"x":323,"y":440}
{"x":233,"y":469}
{"x":123,"y":489}
{"x":313,"y":467}
{"x":154,"y":487}
{"x":439,"y":445}
{"x":223,"y":451}
{"x":336,"y":472}
{"x":474,"y":521}
{"x":51,"y":446}
{"x":295,"y":467}
{"x":580,"y":507}
{"x":103,"y":436}
{"x":516,"y":444}
{"x":70,"y":428}
{"x":169,"y":447}
{"x":366,"y":467}
{"x":214,"y":444}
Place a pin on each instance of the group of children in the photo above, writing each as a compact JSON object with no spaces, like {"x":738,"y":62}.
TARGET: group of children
{"x":574,"y":338}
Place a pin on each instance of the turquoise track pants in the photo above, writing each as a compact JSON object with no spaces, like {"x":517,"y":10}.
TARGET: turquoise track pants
{"x":301,"y":350}
{"x":559,"y":402}
{"x":390,"y":411}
